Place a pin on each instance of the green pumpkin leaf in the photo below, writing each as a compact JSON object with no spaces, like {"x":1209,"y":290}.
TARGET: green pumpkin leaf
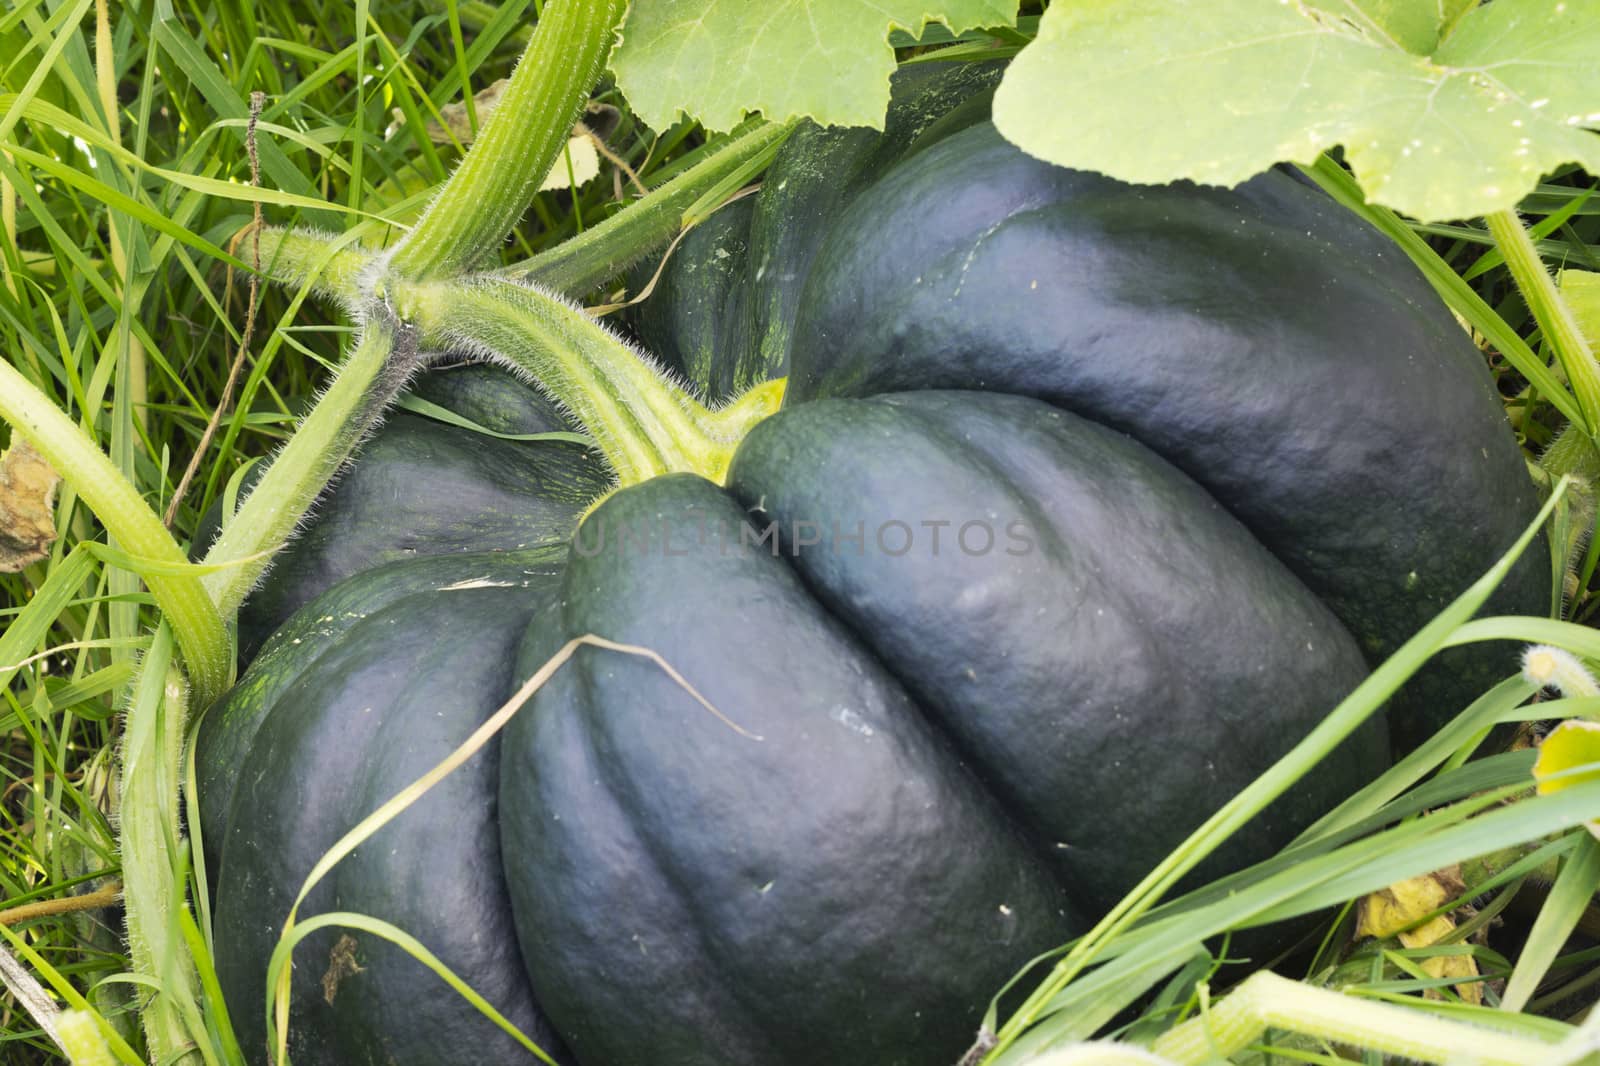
{"x":828,"y":60}
{"x":1573,"y":744}
{"x":1417,"y":28}
{"x":1445,"y":109}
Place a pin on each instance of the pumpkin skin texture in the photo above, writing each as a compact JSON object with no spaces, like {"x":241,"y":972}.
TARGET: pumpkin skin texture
{"x":1262,"y":340}
{"x":421,"y":487}
{"x":1263,"y":527}
{"x":946,"y":737}
{"x":724,"y":306}
{"x":437,"y":544}
{"x":357,"y":696}
{"x":696,"y":313}
{"x":836,"y":891}
{"x":1146,"y":628}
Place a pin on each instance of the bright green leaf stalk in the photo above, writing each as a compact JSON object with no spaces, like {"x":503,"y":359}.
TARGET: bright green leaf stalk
{"x":296,"y":257}
{"x":1550,"y":310}
{"x":645,"y":423}
{"x":601,"y":252}
{"x":482,"y":201}
{"x":379,"y":366}
{"x":152,"y":888}
{"x":1267,"y":1001}
{"x":207,"y":651}
{"x":478,"y":206}
{"x":1572,"y":452}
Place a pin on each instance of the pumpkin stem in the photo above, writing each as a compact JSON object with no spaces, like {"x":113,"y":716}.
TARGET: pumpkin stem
{"x":332,"y":267}
{"x":580,"y":263}
{"x":491,"y":188}
{"x":645,"y":421}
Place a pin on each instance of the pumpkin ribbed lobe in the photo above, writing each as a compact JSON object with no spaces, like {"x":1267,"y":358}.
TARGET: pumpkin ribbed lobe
{"x":323,"y":728}
{"x":1261,"y":340}
{"x":748,"y":890}
{"x":1067,"y":607}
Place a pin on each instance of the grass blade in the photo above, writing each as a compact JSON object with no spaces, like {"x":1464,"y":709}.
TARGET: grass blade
{"x":1574,"y":888}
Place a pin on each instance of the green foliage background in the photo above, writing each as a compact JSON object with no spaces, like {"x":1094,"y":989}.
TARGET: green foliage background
{"x":113,"y":267}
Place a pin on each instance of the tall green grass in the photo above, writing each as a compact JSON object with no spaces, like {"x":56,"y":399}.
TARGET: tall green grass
{"x":124,"y":180}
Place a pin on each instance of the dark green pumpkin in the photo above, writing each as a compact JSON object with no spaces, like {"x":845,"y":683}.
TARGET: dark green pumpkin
{"x":1239,"y":449}
{"x":1263,"y":340}
{"x":1253,"y":451}
{"x":422,"y":486}
{"x":361,"y":692}
{"x":724,"y":305}
{"x":962,"y":749}
{"x":393,"y":621}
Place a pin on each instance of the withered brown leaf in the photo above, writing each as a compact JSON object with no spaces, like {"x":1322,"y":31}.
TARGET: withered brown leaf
{"x":27,"y":506}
